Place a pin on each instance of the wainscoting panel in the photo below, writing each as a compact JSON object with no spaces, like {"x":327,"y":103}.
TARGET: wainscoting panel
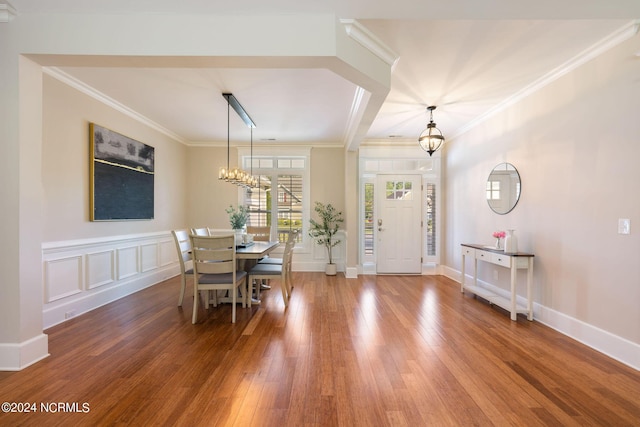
{"x":81,"y":275}
{"x":149,"y":257}
{"x":168,"y":252}
{"x":100,"y":268}
{"x":127,"y":262}
{"x":62,"y":277}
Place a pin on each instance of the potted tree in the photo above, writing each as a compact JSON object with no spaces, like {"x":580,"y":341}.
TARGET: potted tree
{"x":324,"y":230}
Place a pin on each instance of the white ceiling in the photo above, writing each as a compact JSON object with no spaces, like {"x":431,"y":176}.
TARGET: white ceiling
{"x":468,"y":57}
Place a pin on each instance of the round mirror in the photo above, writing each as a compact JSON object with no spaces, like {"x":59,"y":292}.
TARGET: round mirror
{"x":503,"y":188}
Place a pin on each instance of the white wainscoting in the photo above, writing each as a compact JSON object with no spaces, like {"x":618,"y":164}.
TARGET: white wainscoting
{"x":81,"y":275}
{"x":616,"y":347}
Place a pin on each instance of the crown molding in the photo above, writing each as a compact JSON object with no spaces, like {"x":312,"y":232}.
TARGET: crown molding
{"x":366,"y":38}
{"x":620,"y":35}
{"x":69,"y":80}
{"x":7,"y":12}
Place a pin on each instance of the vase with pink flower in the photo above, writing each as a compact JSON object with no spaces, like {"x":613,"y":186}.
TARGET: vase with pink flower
{"x":499,"y":235}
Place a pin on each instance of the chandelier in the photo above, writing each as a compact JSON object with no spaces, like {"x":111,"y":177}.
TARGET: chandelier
{"x":237,"y":175}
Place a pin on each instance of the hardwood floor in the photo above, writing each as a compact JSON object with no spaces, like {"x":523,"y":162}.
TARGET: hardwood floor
{"x":372,"y":351}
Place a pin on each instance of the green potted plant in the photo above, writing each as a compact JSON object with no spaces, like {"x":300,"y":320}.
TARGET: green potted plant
{"x":238,"y":220}
{"x":324,"y":231}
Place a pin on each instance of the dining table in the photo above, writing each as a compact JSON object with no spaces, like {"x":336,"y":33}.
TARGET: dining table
{"x":247,"y":255}
{"x":253,"y":251}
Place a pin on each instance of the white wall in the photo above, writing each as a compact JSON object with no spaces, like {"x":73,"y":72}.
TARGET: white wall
{"x":575,"y":144}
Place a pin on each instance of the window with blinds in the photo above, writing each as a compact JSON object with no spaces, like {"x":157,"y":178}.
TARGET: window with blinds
{"x":279,"y":202}
{"x":368,"y":218}
{"x":430,"y":229}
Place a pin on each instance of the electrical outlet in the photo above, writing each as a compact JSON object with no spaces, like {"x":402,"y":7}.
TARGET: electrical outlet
{"x":624,"y":226}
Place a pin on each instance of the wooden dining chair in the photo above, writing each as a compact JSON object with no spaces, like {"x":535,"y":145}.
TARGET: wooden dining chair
{"x":265,"y":271}
{"x":183,"y":245}
{"x":291,"y":240}
{"x":215,"y":268}
{"x":204,"y":231}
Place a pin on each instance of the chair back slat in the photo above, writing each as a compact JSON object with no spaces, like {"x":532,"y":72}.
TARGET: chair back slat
{"x":183,"y":245}
{"x":204,"y":231}
{"x":214,"y":267}
{"x":214,"y":254}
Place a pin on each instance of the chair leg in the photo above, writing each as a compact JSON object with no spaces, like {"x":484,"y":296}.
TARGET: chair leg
{"x":234,"y":293}
{"x":195,"y":306}
{"x":243,"y":293}
{"x":183,"y":285}
{"x":283,"y":286}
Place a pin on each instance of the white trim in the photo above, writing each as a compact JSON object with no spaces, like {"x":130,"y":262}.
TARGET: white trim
{"x":618,"y":348}
{"x":14,"y":357}
{"x":620,"y":35}
{"x":358,"y":106}
{"x":69,"y":80}
{"x":90,"y":242}
{"x":351,"y":273}
{"x":369,"y":41}
{"x":7,"y":12}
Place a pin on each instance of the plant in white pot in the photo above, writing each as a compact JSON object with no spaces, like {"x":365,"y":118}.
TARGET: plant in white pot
{"x":238,"y":220}
{"x":324,"y":231}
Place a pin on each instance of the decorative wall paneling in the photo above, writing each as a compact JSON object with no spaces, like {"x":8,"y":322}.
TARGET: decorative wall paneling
{"x":80,"y":275}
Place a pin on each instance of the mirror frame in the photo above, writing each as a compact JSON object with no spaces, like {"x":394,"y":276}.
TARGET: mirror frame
{"x":514,"y":176}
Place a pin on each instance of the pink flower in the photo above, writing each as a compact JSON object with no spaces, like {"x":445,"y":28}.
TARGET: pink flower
{"x":499,"y":234}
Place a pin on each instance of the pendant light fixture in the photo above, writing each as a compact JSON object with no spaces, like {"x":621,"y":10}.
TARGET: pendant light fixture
{"x":236,"y":175}
{"x":431,"y":138}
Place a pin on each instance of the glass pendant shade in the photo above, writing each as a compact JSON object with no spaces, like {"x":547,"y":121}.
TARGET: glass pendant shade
{"x":431,"y":138}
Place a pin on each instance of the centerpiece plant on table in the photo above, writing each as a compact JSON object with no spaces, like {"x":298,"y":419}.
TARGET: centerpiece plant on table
{"x":238,"y":217}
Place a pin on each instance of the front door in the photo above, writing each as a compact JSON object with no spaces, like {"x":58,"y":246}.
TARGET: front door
{"x":398,"y":224}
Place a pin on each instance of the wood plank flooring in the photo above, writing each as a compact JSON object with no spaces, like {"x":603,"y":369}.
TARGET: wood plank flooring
{"x":372,"y":351}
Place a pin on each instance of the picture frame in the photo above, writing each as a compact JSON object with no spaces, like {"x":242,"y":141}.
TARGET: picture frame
{"x":121,"y":176}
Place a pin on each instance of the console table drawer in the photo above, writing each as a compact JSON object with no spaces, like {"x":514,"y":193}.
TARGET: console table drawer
{"x":483,"y":255}
{"x":502,"y":260}
{"x":468,"y":251}
{"x":486,"y":256}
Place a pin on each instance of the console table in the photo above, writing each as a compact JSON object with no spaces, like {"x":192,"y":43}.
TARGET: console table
{"x":514,"y":261}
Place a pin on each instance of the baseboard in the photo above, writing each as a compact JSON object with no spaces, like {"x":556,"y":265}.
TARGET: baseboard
{"x":14,"y":357}
{"x":351,"y":273}
{"x":618,"y":348}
